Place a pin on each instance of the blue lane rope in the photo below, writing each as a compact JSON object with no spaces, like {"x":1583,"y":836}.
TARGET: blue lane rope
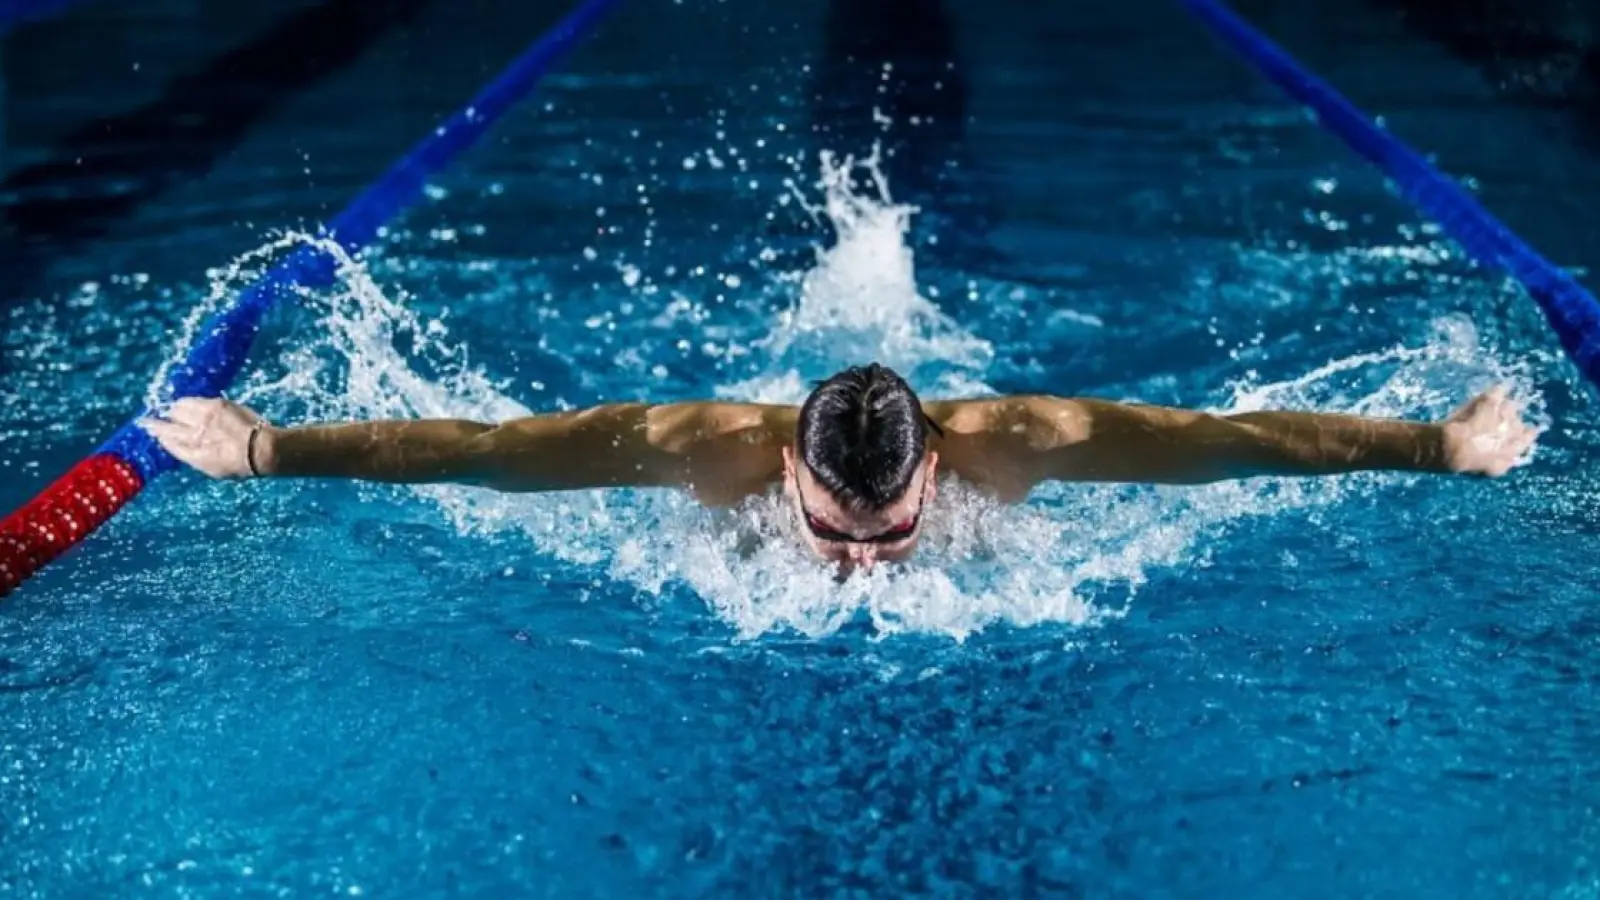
{"x":1571,"y":310}
{"x":225,"y":339}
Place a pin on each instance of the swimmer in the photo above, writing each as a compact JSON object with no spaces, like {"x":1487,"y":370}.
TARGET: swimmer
{"x":857,"y":459}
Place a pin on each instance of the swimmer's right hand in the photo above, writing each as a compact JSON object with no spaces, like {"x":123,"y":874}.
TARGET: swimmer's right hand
{"x":212,"y":435}
{"x":1487,"y":435}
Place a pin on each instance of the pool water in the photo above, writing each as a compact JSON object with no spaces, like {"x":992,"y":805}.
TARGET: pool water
{"x":1375,"y":685}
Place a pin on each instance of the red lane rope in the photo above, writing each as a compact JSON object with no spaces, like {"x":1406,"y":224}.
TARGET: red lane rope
{"x":62,"y":515}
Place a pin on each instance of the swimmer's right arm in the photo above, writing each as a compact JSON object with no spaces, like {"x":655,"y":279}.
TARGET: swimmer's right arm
{"x":719,"y":450}
{"x":1015,"y":443}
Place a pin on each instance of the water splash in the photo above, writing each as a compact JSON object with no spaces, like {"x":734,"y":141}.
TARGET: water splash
{"x":224,"y":286}
{"x":860,"y":301}
{"x":1426,"y":381}
{"x":1076,"y":555}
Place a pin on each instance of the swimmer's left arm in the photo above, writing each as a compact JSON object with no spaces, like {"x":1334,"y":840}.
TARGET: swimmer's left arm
{"x":720,"y":451}
{"x":1077,"y":439}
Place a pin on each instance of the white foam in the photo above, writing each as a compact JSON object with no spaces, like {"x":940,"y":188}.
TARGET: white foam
{"x":981,"y":563}
{"x":860,"y":301}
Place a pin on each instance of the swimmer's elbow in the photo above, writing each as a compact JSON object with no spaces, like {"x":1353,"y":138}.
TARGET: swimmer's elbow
{"x":614,"y":445}
{"x":701,"y":445}
{"x":1082,"y":439}
{"x":515,"y":455}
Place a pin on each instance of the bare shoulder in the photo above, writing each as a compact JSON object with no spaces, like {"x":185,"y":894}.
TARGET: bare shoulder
{"x":1036,"y":421}
{"x":724,"y":452}
{"x":1002,"y":444}
{"x":678,"y":426}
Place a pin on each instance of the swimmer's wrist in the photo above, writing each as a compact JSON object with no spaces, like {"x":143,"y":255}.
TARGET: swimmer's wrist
{"x":262,"y":452}
{"x":1453,"y":438}
{"x":1434,"y":448}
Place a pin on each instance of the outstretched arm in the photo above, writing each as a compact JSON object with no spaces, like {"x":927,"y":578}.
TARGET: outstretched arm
{"x":717,"y":449}
{"x":1072,"y":439}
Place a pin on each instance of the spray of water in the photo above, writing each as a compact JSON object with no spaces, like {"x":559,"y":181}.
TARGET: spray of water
{"x":1073,"y":555}
{"x":860,"y":300}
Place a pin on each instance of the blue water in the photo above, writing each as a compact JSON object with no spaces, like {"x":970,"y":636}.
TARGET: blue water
{"x":1376,"y":686}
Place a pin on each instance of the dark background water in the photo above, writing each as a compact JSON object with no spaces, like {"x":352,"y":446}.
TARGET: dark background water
{"x":237,"y":693}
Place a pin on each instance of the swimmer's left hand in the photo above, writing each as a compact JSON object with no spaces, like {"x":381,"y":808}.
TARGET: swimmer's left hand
{"x":211,"y":435}
{"x":1487,"y":435}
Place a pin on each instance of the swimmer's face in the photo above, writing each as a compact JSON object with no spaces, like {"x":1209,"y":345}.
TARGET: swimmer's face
{"x":858,"y":539}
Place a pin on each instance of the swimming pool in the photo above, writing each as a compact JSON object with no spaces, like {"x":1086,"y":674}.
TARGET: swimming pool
{"x":1374,"y":686}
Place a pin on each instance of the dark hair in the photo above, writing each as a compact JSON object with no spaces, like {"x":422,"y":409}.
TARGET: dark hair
{"x":862,"y":433}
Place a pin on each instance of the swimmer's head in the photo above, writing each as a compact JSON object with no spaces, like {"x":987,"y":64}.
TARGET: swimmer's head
{"x":860,"y":472}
